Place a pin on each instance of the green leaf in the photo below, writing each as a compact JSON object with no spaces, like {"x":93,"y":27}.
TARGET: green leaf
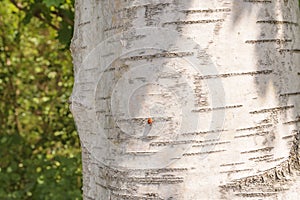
{"x":55,"y":3}
{"x":65,"y":34}
{"x":27,"y":18}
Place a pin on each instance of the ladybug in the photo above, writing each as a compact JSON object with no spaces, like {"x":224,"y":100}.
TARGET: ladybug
{"x":150,"y":121}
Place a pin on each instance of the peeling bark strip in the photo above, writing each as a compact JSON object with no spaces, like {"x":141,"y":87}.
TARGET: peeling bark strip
{"x":217,"y":108}
{"x":231,"y":164}
{"x":293,"y":121}
{"x":116,"y":27}
{"x":260,"y":133}
{"x":201,"y":153}
{"x":258,"y":150}
{"x":278,"y":41}
{"x":258,"y":1}
{"x":235,"y":171}
{"x":255,"y":127}
{"x":159,"y":55}
{"x":290,"y":94}
{"x":195,"y":22}
{"x":276,"y":22}
{"x":201,"y":143}
{"x":207,"y":10}
{"x":280,"y":108}
{"x":263,"y":72}
{"x":203,"y":132}
{"x":289,"y":50}
{"x":184,"y":100}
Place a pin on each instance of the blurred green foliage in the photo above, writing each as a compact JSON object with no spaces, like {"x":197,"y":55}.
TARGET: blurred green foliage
{"x":40,"y":154}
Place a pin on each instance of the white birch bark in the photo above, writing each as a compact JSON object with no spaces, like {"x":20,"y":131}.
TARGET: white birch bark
{"x":188,"y":99}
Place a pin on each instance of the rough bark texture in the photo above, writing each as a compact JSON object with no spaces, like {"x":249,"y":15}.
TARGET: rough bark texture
{"x":188,"y":99}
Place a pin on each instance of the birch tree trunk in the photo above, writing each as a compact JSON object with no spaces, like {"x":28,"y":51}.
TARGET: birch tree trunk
{"x":188,"y":99}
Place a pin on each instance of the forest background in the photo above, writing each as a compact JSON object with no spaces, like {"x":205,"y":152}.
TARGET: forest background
{"x":40,"y":155}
